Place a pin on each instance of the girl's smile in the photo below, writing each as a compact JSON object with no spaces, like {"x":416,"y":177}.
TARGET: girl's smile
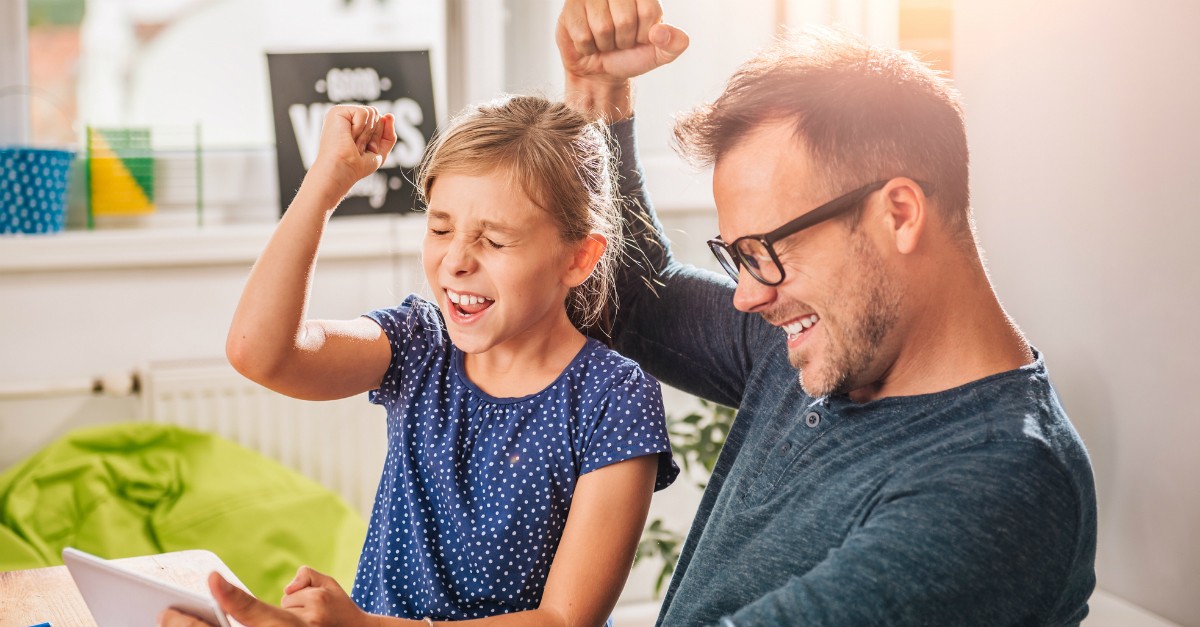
{"x":499,"y":267}
{"x":467,"y":307}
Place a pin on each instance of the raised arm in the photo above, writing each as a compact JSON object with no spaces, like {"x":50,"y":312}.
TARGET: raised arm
{"x":604,"y":45}
{"x":676,"y":320}
{"x":270,"y":341}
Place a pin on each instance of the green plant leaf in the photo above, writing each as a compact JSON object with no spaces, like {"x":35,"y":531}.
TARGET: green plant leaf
{"x":696,"y":441}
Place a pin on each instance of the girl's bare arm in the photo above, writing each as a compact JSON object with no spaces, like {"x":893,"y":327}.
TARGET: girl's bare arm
{"x":270,"y":341}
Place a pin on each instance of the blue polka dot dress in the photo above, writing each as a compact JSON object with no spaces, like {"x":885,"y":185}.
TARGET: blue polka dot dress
{"x":475,"y":489}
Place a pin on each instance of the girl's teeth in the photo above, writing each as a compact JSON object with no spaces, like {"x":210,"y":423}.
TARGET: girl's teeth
{"x":466,"y":299}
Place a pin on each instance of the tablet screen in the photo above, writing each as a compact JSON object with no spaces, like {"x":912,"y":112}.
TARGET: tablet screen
{"x":117,"y":597}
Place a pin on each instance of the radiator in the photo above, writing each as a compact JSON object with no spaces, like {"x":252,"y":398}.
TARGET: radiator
{"x":340,"y":444}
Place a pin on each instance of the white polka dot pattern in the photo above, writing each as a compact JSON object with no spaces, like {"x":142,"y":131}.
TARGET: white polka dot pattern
{"x":33,"y":185}
{"x":475,"y":489}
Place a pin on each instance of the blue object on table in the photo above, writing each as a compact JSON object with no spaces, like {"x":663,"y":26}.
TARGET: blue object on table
{"x":33,"y":187}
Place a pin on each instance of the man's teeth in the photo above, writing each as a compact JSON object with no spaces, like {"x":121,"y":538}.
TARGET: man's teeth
{"x":466,"y":299}
{"x":793,"y":328}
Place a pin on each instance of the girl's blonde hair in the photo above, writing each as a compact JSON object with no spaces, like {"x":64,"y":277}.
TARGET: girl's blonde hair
{"x":561,"y":160}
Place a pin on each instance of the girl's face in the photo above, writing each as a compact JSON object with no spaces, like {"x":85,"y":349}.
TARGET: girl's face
{"x":496,"y":263}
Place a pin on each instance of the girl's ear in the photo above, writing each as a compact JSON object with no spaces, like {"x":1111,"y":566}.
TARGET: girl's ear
{"x":586,"y":255}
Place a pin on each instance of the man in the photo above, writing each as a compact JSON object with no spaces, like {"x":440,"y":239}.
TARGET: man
{"x":899,"y":455}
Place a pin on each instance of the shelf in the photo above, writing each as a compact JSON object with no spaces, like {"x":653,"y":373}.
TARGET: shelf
{"x":346,"y":238}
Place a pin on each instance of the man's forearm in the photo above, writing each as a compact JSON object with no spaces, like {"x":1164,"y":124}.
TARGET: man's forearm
{"x":610,"y":101}
{"x":674,"y":320}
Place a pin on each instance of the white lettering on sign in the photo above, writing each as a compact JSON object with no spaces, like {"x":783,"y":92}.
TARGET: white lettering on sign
{"x":306,"y":124}
{"x":410,"y":142}
{"x":374,"y":187}
{"x":358,"y":83}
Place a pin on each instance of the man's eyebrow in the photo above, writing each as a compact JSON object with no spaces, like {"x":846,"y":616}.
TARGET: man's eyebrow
{"x":435,"y":214}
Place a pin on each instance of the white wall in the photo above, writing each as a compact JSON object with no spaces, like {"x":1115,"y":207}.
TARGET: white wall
{"x":1085,"y":141}
{"x":14,"y":73}
{"x":80,"y":305}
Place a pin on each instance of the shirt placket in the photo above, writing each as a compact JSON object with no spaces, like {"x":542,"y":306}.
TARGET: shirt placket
{"x":789,"y":439}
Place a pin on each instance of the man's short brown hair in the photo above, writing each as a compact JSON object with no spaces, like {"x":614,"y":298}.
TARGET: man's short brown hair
{"x":864,"y":112}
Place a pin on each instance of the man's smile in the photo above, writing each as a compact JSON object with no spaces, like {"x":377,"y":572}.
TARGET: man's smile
{"x":798,"y":328}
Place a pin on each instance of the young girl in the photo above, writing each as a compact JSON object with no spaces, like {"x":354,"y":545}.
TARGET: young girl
{"x":521,"y":454}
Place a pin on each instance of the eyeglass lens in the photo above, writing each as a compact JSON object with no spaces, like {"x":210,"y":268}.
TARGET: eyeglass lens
{"x":752,"y":254}
{"x":724,"y":258}
{"x":757,"y":259}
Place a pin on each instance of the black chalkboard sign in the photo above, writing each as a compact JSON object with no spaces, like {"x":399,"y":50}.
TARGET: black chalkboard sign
{"x":303,"y":88}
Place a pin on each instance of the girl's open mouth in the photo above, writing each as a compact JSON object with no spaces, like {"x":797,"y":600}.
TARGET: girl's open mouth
{"x":466,"y":305}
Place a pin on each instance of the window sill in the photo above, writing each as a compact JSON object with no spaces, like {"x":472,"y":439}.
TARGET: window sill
{"x":346,"y":238}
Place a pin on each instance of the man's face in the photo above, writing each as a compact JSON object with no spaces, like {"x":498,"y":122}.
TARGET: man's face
{"x":838,"y":302}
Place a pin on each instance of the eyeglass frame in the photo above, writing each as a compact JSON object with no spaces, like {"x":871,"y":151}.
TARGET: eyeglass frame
{"x":826,"y":211}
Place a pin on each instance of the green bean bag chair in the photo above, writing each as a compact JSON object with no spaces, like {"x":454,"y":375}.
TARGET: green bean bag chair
{"x":139,"y":488}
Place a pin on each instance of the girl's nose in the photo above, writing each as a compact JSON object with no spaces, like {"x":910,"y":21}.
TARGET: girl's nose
{"x":460,"y":257}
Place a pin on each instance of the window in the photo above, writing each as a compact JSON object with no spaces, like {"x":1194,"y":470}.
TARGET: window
{"x":190,"y":77}
{"x":195,"y":71}
{"x":927,"y":28}
{"x":179,"y":62}
{"x":53,"y":69}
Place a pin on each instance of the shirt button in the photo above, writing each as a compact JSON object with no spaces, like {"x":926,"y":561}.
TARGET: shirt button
{"x":812,"y":419}
{"x":785,"y":447}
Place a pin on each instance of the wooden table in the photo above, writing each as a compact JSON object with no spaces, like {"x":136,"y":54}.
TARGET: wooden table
{"x":40,"y":595}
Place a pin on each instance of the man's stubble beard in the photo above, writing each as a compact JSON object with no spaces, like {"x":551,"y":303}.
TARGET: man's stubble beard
{"x":872,"y":303}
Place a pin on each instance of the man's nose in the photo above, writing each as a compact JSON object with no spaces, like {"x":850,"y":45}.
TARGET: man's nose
{"x":751,"y":295}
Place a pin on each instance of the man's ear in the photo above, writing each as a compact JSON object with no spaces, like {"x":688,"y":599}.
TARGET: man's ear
{"x":586,"y":255}
{"x":907,"y":210}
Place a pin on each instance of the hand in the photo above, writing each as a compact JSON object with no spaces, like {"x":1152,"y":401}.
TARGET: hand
{"x":604,"y":44}
{"x":238,"y":603}
{"x":615,"y":40}
{"x":355,"y":140}
{"x":320,"y":601}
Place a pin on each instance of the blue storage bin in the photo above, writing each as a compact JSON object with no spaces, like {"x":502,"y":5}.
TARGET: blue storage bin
{"x":33,"y":187}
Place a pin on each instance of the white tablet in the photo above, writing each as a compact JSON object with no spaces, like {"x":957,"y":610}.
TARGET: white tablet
{"x":117,"y":597}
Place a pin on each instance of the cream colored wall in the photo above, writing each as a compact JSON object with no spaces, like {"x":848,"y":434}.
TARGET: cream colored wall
{"x":1085,"y":143}
{"x":14,"y":72}
{"x":81,"y":305}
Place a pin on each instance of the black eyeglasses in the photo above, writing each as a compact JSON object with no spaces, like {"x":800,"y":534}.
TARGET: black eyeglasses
{"x":757,"y":252}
